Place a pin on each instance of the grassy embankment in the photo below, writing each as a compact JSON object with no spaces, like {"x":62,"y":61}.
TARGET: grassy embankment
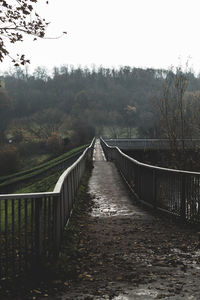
{"x":43,"y":184}
{"x":33,"y":180}
{"x":55,"y":271}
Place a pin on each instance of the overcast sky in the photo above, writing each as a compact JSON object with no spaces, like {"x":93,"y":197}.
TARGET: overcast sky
{"x":139,"y":33}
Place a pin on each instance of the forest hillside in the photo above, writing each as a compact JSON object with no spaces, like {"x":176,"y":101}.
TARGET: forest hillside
{"x":44,"y":114}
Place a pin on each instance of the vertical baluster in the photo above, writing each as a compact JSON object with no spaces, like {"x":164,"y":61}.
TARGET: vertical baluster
{"x":79,"y":173}
{"x":172,"y":187}
{"x":169,"y":190}
{"x":38,"y":228}
{"x":72,"y":183}
{"x":154,"y":189}
{"x":57,"y":224}
{"x":32,"y":226}
{"x":77,"y":181}
{"x":180,"y":194}
{"x":13,"y":234}
{"x":62,"y":207}
{"x":175,"y":192}
{"x":198,"y":199}
{"x":70,"y":193}
{"x":175,"y":187}
{"x":26,"y":231}
{"x":190,"y":195}
{"x":45,"y":223}
{"x":172,"y":192}
{"x":19,"y":237}
{"x":68,"y":198}
{"x":193,"y":199}
{"x":1,"y":235}
{"x":64,"y":202}
{"x":186,"y":198}
{"x":49,"y":223}
{"x":183,"y":196}
{"x":194,"y":202}
{"x":6,"y":235}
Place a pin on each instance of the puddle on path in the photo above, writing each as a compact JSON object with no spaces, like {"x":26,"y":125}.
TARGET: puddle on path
{"x":140,"y":293}
{"x":136,"y":294}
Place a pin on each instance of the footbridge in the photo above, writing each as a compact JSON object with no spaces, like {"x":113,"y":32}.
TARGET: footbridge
{"x":31,"y":225}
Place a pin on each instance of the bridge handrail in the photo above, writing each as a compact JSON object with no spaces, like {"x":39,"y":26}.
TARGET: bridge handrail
{"x":16,"y":182}
{"x":174,"y":191}
{"x":56,"y":190}
{"x":31,"y":224}
{"x":151,"y":166}
{"x":150,"y":143}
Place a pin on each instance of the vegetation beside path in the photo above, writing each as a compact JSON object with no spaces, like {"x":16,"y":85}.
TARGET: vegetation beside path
{"x":31,"y":180}
{"x":102,"y":257}
{"x":53,"y":277}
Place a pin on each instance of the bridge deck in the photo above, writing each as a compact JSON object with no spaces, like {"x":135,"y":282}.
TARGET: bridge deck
{"x":124,"y":252}
{"x":127,"y":251}
{"x":111,"y":197}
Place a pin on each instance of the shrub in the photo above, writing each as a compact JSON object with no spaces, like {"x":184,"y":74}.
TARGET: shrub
{"x":54,"y":144}
{"x":32,"y":147}
{"x":9,"y":159}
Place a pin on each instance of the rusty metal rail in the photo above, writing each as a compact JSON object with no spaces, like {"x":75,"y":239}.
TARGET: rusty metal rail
{"x":174,"y":191}
{"x":31,"y":224}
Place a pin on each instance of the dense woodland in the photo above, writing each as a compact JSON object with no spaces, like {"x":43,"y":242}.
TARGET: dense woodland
{"x":44,"y":113}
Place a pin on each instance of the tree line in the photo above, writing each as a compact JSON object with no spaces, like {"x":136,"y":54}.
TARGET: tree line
{"x":53,"y":112}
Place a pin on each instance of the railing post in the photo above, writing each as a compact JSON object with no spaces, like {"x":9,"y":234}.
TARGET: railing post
{"x":154,"y":189}
{"x":38,"y":228}
{"x":183,"y":197}
{"x":57,"y":224}
{"x":138,"y":181}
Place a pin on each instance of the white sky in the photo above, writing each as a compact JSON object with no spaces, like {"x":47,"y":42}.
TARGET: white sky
{"x":139,"y":33}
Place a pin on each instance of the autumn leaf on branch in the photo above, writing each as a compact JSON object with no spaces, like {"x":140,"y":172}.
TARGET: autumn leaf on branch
{"x":18,"y":18}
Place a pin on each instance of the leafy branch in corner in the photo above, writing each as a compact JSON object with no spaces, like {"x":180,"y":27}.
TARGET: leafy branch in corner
{"x":18,"y":18}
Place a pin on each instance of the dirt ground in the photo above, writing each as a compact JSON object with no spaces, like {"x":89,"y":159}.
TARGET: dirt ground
{"x":125,"y":252}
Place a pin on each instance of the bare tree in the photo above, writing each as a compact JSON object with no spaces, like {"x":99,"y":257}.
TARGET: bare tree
{"x":181,"y":83}
{"x":172,"y":108}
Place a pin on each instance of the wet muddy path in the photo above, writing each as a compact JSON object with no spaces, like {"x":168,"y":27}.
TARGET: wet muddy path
{"x":126,"y":252}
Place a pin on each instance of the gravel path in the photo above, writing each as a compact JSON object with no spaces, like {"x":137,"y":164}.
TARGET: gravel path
{"x":127,"y":253}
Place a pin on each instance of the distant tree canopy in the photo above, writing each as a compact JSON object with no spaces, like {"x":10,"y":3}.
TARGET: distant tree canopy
{"x":5,"y":112}
{"x":49,"y":113}
{"x":76,"y":100}
{"x":18,"y":18}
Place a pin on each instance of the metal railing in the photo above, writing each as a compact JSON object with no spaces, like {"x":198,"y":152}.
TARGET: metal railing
{"x":31,"y":224}
{"x":16,"y":181}
{"x":150,"y":143}
{"x":174,"y":191}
